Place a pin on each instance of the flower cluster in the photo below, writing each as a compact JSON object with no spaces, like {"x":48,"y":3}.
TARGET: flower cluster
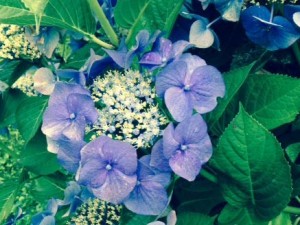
{"x":96,"y":211}
{"x":14,"y":45}
{"x":127,"y":115}
{"x":130,"y":112}
{"x":25,"y":83}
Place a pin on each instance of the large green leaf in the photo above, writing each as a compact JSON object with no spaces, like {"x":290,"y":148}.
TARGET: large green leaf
{"x":68,"y":14}
{"x":282,"y":219}
{"x":233,"y":82}
{"x":237,"y":216}
{"x":47,"y":187}
{"x":191,"y":218}
{"x":36,"y":158}
{"x":29,"y":116}
{"x":272,"y":99}
{"x":252,"y":168}
{"x":8,"y":193}
{"x":130,"y":218}
{"x":198,"y":196}
{"x":136,"y":15}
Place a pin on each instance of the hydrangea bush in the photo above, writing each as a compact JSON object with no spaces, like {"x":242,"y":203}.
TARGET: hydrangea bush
{"x":149,"y":112}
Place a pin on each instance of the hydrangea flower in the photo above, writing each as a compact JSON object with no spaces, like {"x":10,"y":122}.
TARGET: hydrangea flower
{"x":48,"y":216}
{"x":108,"y":168}
{"x":46,"y":41}
{"x":186,"y":147}
{"x":163,"y":53}
{"x":149,"y":196}
{"x":292,"y":13}
{"x":68,"y":152}
{"x":70,"y":109}
{"x":44,"y":81}
{"x":171,"y":219}
{"x":186,"y":85}
{"x":229,"y":9}
{"x":266,"y":31}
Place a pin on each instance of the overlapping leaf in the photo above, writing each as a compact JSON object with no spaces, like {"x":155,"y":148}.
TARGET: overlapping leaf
{"x":253,"y":171}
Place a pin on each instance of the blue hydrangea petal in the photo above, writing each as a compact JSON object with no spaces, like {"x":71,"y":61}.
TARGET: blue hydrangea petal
{"x":186,"y":164}
{"x":151,"y":59}
{"x":171,"y":76}
{"x":71,"y":192}
{"x":120,"y":56}
{"x":170,"y":145}
{"x":164,"y":47}
{"x":178,"y":103}
{"x":82,"y":105}
{"x":44,"y":81}
{"x":62,"y":91}
{"x":179,"y":47}
{"x":68,"y":154}
{"x":55,"y":120}
{"x":203,"y":148}
{"x":47,"y":220}
{"x":122,"y":154}
{"x":191,"y":130}
{"x":282,"y":36}
{"x":206,"y":85}
{"x":75,"y":131}
{"x":192,"y":62}
{"x":171,"y":218}
{"x":205,"y":3}
{"x":92,"y":149}
{"x":156,"y":223}
{"x":229,"y":9}
{"x":158,"y":160}
{"x":116,"y":186}
{"x":148,"y":198}
{"x":200,"y":35}
{"x":93,"y":173}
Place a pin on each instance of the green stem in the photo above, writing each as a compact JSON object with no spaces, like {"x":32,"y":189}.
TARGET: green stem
{"x":296,"y":51}
{"x":292,"y":210}
{"x":99,"y":42}
{"x":96,"y":8}
{"x":209,"y":176}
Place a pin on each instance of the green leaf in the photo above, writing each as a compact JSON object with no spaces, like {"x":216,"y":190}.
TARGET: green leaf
{"x":29,"y":116}
{"x":293,"y":152}
{"x":37,"y":6}
{"x":12,"y":98}
{"x":36,"y":158}
{"x":233,"y":82}
{"x":151,"y":15}
{"x":237,"y":216}
{"x":130,"y":218}
{"x":8,"y":193}
{"x":272,"y":99}
{"x":198,"y":196}
{"x":252,"y":169}
{"x":67,"y":14}
{"x":192,"y":218}
{"x":78,"y":59}
{"x":282,"y":219}
{"x":48,"y":187}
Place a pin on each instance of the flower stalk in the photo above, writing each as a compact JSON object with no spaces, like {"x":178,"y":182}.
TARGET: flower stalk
{"x":96,"y":8}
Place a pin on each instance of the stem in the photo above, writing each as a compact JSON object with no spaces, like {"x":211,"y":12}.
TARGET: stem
{"x":96,"y":8}
{"x":209,"y":176}
{"x":212,"y":22}
{"x":272,"y":13}
{"x":261,"y":61}
{"x":296,"y":51}
{"x":292,"y":210}
{"x":99,"y":42}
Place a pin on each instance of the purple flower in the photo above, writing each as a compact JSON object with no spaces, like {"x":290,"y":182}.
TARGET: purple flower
{"x":187,"y":147}
{"x":48,"y":216}
{"x":108,"y":167}
{"x":163,"y":53}
{"x":70,"y":109}
{"x":266,"y":31}
{"x":149,"y":196}
{"x":189,"y":84}
{"x":68,"y":152}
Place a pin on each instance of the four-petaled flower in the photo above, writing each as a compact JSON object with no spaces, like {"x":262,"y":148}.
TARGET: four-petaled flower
{"x":70,"y":109}
{"x":108,"y":167}
{"x":186,"y":147}
{"x":189,"y":84}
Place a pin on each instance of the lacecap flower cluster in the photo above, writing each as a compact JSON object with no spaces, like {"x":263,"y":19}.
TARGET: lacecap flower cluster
{"x":98,"y":131}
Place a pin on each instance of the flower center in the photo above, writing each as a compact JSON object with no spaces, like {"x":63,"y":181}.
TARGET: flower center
{"x":187,"y":87}
{"x":72,"y":116}
{"x":183,"y":147}
{"x":108,"y":167}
